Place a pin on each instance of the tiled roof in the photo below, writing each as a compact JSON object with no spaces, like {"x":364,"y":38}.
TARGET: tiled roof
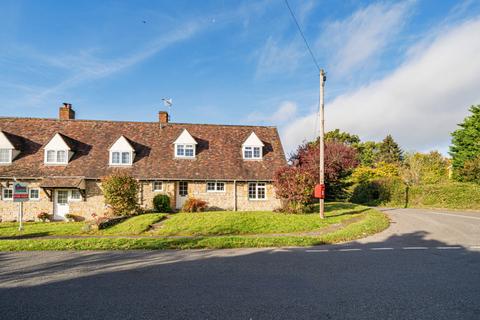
{"x":218,"y":154}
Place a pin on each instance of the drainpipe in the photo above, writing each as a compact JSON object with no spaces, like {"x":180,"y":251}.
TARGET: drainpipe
{"x":234,"y":195}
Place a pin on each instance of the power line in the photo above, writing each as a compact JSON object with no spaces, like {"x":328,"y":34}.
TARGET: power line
{"x":303,"y":36}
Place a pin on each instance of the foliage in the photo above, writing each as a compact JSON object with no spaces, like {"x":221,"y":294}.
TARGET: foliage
{"x":73,"y":217}
{"x":44,"y":216}
{"x":379,"y":171}
{"x":389,"y":151}
{"x":379,"y":192}
{"x":295,"y":184}
{"x":194,"y":205}
{"x":421,"y":168}
{"x":161,"y":203}
{"x":466,"y":142}
{"x":342,"y":137}
{"x":470,"y":171}
{"x":368,"y":152}
{"x":121,"y":193}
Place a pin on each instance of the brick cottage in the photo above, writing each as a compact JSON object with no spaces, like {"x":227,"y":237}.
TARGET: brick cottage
{"x":63,"y":161}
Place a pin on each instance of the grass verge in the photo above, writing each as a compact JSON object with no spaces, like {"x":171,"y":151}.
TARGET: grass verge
{"x":372,"y":222}
{"x":133,"y":226}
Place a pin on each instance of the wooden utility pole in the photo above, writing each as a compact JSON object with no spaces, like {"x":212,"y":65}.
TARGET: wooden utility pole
{"x":323,"y":78}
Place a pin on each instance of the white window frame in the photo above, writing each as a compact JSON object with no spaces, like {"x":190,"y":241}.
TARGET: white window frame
{"x":3,"y":194}
{"x":251,"y":149}
{"x":120,"y":158}
{"x":154,"y":188}
{"x":9,"y":156}
{"x":215,"y":186}
{"x":185,"y":147}
{"x":71,"y":198}
{"x":258,"y":185}
{"x":30,"y":194}
{"x":56,"y":152}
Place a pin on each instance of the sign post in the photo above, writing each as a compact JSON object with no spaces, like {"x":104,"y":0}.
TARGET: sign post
{"x":20,"y":194}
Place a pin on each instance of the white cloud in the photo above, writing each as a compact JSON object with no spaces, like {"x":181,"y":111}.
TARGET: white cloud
{"x":352,"y":42}
{"x":274,"y":57}
{"x":420,"y":102}
{"x":286,"y":111}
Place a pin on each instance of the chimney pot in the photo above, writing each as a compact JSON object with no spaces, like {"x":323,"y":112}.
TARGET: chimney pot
{"x":66,"y":112}
{"x":163,"y":117}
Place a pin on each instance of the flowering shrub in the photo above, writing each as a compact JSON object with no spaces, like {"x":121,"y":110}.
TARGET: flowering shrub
{"x":194,"y":205}
{"x":44,"y":216}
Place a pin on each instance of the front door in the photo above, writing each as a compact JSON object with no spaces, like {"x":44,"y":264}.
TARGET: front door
{"x":182,"y":193}
{"x":61,"y":207}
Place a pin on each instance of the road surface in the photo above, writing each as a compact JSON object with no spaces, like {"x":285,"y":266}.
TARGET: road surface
{"x":425,"y":266}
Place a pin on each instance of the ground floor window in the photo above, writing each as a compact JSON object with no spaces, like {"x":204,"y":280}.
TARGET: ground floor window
{"x":257,"y":191}
{"x":34,"y":194}
{"x":7,"y":194}
{"x":214,"y":186}
{"x":183,"y":188}
{"x":75,"y":195}
{"x":157,"y":186}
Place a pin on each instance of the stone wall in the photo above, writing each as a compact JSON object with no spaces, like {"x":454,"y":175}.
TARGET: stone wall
{"x":95,"y":202}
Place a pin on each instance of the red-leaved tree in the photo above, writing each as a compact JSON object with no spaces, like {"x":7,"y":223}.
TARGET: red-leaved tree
{"x":295,"y":183}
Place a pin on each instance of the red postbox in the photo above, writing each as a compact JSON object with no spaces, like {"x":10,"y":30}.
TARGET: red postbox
{"x":320,"y":191}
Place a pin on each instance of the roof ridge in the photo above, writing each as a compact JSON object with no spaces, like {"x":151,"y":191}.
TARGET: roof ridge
{"x":149,"y":122}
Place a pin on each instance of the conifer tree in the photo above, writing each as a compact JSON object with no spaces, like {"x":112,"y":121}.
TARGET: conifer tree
{"x":389,"y":151}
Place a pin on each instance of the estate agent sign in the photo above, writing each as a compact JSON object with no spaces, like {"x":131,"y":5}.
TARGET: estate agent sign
{"x":20,"y":192}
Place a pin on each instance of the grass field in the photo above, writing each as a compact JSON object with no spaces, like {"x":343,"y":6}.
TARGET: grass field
{"x":203,"y":230}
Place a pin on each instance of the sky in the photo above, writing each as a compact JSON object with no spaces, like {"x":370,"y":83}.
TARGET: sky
{"x":406,"y":68}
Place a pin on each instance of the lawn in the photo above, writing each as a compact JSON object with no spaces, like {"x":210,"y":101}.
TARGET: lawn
{"x":257,"y":222}
{"x":204,"y":230}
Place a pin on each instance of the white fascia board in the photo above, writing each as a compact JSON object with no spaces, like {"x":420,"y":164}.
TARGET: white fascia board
{"x":57,"y":143}
{"x":253,"y":141}
{"x":185,"y":138}
{"x":5,"y":143}
{"x":122,"y":144}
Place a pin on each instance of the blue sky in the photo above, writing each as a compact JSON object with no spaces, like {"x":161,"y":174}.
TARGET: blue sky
{"x":407,"y":68}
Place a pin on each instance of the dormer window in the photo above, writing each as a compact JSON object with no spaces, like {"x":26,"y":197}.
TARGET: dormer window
{"x":185,"y":145}
{"x":252,"y":148}
{"x":121,"y":153}
{"x":7,"y":149}
{"x":57,"y":151}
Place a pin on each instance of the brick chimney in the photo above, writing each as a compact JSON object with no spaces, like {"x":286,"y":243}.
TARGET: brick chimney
{"x":66,"y":112}
{"x":163,"y":117}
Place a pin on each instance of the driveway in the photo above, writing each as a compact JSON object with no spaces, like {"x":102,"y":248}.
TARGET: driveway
{"x":426,"y":266}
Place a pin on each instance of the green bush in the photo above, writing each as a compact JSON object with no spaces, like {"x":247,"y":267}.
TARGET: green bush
{"x":385,"y":191}
{"x":161,"y":203}
{"x":121,"y":193}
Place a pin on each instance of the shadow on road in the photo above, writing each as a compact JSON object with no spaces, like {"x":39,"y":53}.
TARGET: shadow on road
{"x":290,"y":283}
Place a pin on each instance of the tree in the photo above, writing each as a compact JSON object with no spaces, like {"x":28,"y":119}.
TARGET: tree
{"x":342,"y":137}
{"x":466,"y":142}
{"x":368,"y":152}
{"x":421,"y":168}
{"x":121,"y":193}
{"x":389,"y":151}
{"x":470,"y":171}
{"x":295,"y":183}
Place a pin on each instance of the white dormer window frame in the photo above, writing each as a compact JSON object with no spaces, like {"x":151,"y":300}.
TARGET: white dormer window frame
{"x":6,"y":155}
{"x":121,"y":153}
{"x":185,"y":146}
{"x":185,"y":150}
{"x":252,"y":148}
{"x":53,"y":156}
{"x":121,"y":158}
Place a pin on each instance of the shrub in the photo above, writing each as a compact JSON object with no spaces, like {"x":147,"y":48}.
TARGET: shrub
{"x":72,"y":217}
{"x":161,"y":203}
{"x":44,"y":216}
{"x":121,"y":193}
{"x":470,"y":171}
{"x":194,"y":205}
{"x":380,"y":192}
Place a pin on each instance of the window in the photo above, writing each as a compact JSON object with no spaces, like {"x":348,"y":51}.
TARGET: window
{"x":5,"y":155}
{"x":215,"y":186}
{"x":121,"y":157}
{"x":75,"y":195}
{"x":252,"y":153}
{"x":157,"y":186}
{"x":7,"y":194}
{"x":257,"y":191}
{"x":185,"y":150}
{"x":183,"y":188}
{"x":34,"y":194}
{"x":56,"y":156}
